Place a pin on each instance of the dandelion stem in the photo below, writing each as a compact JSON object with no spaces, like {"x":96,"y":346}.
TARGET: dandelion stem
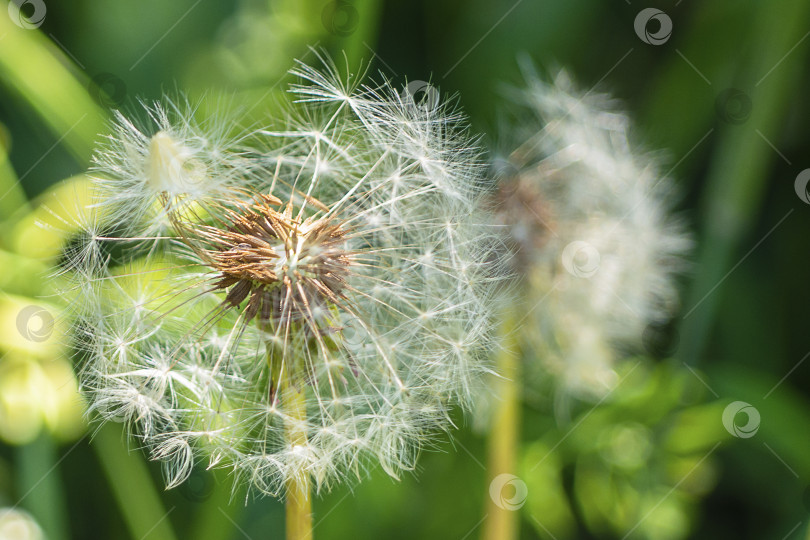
{"x":299,"y":501}
{"x":501,"y":523}
{"x":287,"y":379}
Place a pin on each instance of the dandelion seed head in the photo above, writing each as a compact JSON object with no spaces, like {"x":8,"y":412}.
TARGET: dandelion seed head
{"x":312,"y":305}
{"x":572,"y":181}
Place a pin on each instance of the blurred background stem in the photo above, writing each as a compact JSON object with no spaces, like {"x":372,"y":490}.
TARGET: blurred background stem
{"x":502,"y":445}
{"x":40,"y":486}
{"x":135,"y":493}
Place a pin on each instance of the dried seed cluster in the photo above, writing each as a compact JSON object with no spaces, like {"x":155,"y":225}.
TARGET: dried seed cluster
{"x":285,"y":267}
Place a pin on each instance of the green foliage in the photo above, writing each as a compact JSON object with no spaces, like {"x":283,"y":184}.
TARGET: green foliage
{"x":608,"y":469}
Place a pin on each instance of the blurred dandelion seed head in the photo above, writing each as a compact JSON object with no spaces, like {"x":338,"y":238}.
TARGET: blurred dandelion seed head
{"x":17,"y":524}
{"x":340,"y":251}
{"x":589,"y":221}
{"x":526,"y":218}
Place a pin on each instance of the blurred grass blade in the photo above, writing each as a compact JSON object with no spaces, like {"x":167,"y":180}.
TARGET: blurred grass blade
{"x":680,"y":106}
{"x":36,"y":70}
{"x":217,"y":516}
{"x":361,"y":42}
{"x":738,"y":174}
{"x":132,"y":486}
{"x":12,"y":196}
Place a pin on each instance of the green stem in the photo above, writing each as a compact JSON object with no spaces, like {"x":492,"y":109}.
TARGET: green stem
{"x":285,"y":377}
{"x":132,"y":487}
{"x":501,"y":523}
{"x":299,"y":500}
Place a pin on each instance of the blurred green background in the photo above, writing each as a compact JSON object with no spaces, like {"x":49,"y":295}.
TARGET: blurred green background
{"x":722,"y":101}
